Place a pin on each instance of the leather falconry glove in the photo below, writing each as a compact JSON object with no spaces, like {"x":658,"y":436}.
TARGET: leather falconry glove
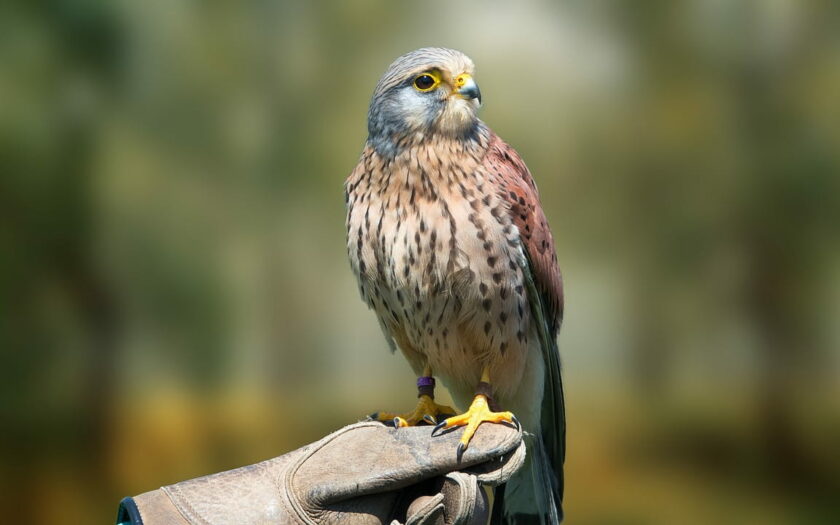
{"x":364,"y":473}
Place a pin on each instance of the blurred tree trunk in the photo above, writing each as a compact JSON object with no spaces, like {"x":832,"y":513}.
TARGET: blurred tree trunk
{"x":59,"y":303}
{"x":785,"y":201}
{"x":648,"y":182}
{"x":89,"y":37}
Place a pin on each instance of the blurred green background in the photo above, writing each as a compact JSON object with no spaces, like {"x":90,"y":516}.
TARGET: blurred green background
{"x":174,"y":293}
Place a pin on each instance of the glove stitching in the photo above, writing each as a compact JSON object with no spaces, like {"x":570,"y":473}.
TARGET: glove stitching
{"x":180,"y":501}
{"x":297,"y":506}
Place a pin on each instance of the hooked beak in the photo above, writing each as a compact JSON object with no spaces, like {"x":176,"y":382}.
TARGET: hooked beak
{"x":466,"y":88}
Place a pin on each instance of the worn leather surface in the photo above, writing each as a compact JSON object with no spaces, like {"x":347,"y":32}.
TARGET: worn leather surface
{"x":363,"y":473}
{"x":156,"y":507}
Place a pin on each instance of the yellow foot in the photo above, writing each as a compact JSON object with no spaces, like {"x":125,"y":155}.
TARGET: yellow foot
{"x":478,"y":413}
{"x":426,"y":411}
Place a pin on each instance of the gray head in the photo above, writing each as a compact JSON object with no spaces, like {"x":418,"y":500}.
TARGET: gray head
{"x":423,"y":93}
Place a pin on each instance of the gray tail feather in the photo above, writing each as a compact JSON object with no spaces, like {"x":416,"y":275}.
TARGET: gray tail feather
{"x":535,"y":493}
{"x":532,"y":494}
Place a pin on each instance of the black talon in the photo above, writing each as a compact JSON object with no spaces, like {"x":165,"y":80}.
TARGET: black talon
{"x":373,"y":417}
{"x":516,"y":422}
{"x":438,"y":427}
{"x":396,"y":422}
{"x":428,"y":418}
{"x":460,"y":452}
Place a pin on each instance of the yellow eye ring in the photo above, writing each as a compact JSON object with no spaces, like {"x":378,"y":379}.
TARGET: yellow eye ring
{"x":427,"y":81}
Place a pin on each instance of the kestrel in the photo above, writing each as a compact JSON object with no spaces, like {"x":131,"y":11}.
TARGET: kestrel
{"x":452,"y":250}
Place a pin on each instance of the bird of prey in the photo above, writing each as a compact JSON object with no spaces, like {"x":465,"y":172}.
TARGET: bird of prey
{"x":452,"y":250}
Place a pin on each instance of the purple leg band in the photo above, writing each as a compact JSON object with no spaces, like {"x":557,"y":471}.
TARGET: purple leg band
{"x":425,"y":381}
{"x":426,"y":386}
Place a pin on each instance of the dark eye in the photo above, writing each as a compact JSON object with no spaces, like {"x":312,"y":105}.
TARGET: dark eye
{"x":424,"y":82}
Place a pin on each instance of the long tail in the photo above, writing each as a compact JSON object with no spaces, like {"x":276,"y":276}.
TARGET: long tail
{"x":535,"y":493}
{"x":531,"y":495}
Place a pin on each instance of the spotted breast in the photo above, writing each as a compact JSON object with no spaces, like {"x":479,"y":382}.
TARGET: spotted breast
{"x":438,"y":258}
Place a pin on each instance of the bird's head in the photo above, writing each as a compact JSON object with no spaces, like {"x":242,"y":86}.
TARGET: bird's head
{"x":427,"y":92}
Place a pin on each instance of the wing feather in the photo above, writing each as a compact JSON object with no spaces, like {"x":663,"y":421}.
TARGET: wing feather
{"x":545,"y":294}
{"x":518,"y":190}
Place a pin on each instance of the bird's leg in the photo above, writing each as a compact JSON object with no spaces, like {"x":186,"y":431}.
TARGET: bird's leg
{"x":425,"y":411}
{"x":478,"y":413}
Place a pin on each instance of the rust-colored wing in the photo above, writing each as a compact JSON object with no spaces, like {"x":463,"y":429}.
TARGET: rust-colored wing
{"x":518,"y":189}
{"x":545,"y":296}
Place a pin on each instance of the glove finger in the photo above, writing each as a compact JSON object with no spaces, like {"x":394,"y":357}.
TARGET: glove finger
{"x":426,"y":510}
